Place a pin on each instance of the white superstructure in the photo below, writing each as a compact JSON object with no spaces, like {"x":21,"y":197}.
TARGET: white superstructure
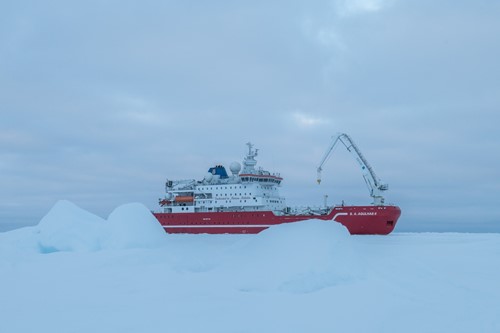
{"x":246,"y":189}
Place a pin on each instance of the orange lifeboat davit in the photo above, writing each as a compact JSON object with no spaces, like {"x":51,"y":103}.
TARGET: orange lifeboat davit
{"x":164,"y":202}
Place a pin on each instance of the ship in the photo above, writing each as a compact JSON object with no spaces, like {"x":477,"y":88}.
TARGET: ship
{"x":248,"y":201}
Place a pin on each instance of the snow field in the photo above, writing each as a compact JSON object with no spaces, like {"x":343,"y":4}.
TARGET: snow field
{"x":76,"y":272}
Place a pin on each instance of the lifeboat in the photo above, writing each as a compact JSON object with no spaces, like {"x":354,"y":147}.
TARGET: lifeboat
{"x":184,"y":198}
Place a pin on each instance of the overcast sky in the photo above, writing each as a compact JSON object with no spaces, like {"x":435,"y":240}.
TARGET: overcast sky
{"x":101,"y":101}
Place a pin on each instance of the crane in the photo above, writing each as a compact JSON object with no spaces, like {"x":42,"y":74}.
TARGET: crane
{"x":375,"y":186}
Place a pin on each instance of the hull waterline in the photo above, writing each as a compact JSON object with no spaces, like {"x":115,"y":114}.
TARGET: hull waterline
{"x":359,"y":220}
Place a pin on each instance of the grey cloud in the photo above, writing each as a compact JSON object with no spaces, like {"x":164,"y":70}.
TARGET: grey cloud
{"x":101,"y":101}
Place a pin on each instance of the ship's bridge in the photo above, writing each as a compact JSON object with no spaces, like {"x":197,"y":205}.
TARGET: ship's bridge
{"x":250,"y":174}
{"x":267,"y":179}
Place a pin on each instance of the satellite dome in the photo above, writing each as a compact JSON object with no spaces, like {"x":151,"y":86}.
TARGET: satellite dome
{"x":208,"y":177}
{"x":235,"y":168}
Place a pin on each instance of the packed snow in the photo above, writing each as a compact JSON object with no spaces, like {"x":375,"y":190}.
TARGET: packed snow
{"x":77,"y":272}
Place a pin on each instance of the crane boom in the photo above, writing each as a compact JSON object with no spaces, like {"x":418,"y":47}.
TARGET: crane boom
{"x":374,"y":184}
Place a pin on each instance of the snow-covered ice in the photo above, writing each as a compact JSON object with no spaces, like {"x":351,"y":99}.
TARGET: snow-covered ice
{"x":69,"y":228}
{"x":77,"y":272}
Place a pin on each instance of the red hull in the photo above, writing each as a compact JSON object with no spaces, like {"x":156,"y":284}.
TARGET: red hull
{"x":359,"y":220}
